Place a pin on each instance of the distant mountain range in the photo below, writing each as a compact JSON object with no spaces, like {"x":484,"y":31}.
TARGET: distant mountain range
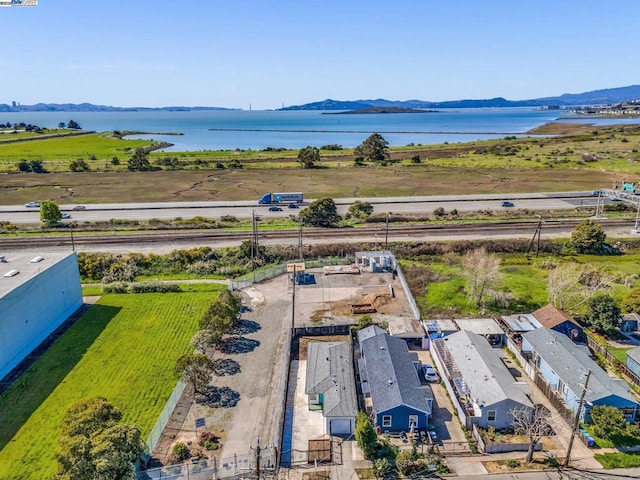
{"x":89,"y":107}
{"x":596,"y":97}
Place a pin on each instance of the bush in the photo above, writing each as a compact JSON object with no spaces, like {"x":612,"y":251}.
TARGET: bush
{"x":153,"y":287}
{"x":513,"y":463}
{"x":180,"y":452}
{"x":116,"y":287}
{"x":551,"y":461}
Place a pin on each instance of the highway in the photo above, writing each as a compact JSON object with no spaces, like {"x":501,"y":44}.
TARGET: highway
{"x":425,"y":205}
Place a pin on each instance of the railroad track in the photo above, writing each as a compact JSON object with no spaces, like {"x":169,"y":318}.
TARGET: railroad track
{"x":395,"y":233}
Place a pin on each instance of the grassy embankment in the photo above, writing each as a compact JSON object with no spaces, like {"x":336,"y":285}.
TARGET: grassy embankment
{"x":494,"y":166}
{"x":123,"y":348}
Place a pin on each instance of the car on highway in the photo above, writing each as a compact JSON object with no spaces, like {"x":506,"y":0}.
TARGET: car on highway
{"x":616,"y":199}
{"x":66,"y":215}
{"x":430,"y":374}
{"x":596,"y":193}
{"x":32,"y":205}
{"x":275,"y":209}
{"x":79,"y":207}
{"x":506,"y":203}
{"x":293,"y":205}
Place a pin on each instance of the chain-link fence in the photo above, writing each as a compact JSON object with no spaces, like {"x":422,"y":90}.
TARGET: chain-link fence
{"x":238,"y":466}
{"x":272,"y":271}
{"x":163,"y":419}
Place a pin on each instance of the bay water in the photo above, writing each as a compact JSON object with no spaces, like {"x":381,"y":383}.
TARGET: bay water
{"x":257,"y":130}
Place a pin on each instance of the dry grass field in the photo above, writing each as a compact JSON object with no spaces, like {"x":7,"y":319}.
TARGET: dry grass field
{"x":585,"y":158}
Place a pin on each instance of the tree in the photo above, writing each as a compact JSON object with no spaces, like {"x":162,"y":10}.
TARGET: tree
{"x":308,"y":157}
{"x":374,"y":148}
{"x":79,"y":165}
{"x":195,"y":369}
{"x":481,"y":271}
{"x":62,"y":125}
{"x":359,"y":209}
{"x":49,"y":212}
{"x":603,"y":314}
{"x":73,"y":125}
{"x":321,"y":213}
{"x":588,"y":237}
{"x":571,"y":285}
{"x":631,"y":301}
{"x":139,"y":162}
{"x":366,"y":436}
{"x":608,"y":421}
{"x":93,"y":445}
{"x":532,"y":423}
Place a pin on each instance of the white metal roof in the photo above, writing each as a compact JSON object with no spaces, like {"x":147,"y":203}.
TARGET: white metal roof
{"x":26,"y":267}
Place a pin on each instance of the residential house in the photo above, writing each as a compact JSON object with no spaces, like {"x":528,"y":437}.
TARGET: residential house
{"x":555,"y":319}
{"x":485,"y":389}
{"x":330,"y":384}
{"x":393,"y":394}
{"x":564,"y":366}
{"x":633,"y":360}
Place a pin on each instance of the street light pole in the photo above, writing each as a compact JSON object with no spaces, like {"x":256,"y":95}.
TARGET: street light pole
{"x":577,"y":421}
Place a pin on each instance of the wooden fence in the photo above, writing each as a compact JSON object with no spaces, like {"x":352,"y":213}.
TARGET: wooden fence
{"x":603,"y":352}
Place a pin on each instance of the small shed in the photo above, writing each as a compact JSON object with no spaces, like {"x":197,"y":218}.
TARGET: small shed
{"x":406,"y":328}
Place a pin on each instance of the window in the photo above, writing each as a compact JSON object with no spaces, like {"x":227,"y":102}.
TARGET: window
{"x":491,"y":416}
{"x":413,"y":421}
{"x":386,"y":420}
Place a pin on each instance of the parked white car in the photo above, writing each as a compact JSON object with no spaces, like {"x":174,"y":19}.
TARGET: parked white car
{"x":430,"y":374}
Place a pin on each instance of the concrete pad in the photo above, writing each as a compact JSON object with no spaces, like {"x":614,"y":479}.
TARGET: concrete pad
{"x":307,"y":424}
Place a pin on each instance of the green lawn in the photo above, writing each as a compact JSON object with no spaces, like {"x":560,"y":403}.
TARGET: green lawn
{"x":618,"y":460}
{"x":123,"y":348}
{"x":57,"y":153}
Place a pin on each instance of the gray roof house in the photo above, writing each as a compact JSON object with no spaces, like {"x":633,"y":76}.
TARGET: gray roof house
{"x":393,"y":393}
{"x":564,"y":366}
{"x":633,"y":360}
{"x":484,"y":386}
{"x":330,"y":384}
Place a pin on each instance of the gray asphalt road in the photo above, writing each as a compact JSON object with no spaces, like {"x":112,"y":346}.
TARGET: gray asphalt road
{"x":18,"y":214}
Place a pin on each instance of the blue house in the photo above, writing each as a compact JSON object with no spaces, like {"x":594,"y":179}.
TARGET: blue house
{"x":394,"y":397}
{"x":564,"y":366}
{"x":484,"y":387}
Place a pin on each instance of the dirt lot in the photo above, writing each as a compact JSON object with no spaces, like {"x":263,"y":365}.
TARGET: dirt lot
{"x":248,"y":390}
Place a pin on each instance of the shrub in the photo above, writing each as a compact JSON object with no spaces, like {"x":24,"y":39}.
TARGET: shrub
{"x":513,"y":463}
{"x":153,"y":287}
{"x":180,"y":452}
{"x":115,"y":287}
{"x":551,"y":461}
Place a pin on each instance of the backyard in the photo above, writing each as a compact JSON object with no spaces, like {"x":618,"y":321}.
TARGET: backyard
{"x":124,"y":349}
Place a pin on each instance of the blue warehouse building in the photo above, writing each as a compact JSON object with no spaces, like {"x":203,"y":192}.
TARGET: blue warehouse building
{"x":37,"y":294}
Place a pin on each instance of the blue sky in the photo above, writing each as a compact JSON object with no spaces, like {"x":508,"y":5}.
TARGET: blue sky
{"x":272,"y":52}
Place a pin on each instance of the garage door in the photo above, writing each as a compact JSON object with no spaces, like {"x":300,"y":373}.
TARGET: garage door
{"x":340,"y":426}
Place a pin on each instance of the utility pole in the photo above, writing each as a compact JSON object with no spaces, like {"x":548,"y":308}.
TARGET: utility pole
{"x":73,"y":243}
{"x":577,"y":421}
{"x":300,"y":239}
{"x":386,"y":232}
{"x":258,"y":459}
{"x":293,"y":300}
